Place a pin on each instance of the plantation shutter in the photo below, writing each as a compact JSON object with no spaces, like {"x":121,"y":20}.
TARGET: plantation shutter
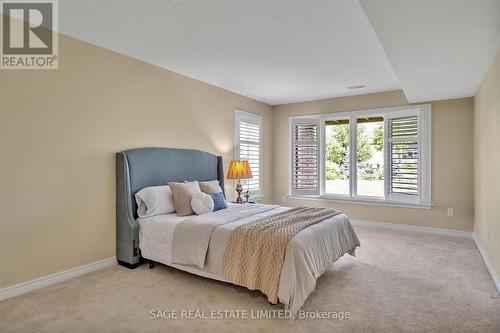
{"x":404,"y":158}
{"x":305,"y":157}
{"x":249,"y":131}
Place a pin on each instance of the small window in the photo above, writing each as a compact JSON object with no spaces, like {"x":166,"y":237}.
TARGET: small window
{"x":248,"y":137}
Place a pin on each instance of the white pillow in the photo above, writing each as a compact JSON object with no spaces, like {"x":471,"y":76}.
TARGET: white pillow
{"x":155,"y":200}
{"x":202,"y":203}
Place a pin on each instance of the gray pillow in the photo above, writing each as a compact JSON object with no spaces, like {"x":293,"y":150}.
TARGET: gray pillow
{"x":182,"y":193}
{"x":210,"y":187}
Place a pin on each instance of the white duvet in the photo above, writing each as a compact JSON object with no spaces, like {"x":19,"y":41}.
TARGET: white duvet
{"x":309,"y":253}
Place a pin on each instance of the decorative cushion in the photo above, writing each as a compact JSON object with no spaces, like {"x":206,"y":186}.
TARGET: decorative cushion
{"x":210,"y":187}
{"x":182,"y":193}
{"x":154,"y":200}
{"x":202,"y":203}
{"x":219,"y":201}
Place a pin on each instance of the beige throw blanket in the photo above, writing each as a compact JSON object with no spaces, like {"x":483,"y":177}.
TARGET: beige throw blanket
{"x":256,"y":250}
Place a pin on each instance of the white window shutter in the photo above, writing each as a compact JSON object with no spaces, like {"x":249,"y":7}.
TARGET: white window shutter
{"x":305,"y":155}
{"x":248,"y":128}
{"x":404,"y":149}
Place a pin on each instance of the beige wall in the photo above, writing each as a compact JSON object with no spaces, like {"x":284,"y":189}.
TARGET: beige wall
{"x":452,"y":166}
{"x":487,"y":164}
{"x":59,"y":131}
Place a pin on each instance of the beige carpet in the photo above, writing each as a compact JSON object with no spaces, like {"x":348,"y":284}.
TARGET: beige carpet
{"x":399,"y":282}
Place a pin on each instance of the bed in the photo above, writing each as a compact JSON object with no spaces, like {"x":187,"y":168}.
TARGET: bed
{"x":308,"y":254}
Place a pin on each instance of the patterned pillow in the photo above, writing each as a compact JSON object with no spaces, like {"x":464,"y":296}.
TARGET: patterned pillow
{"x":219,"y":201}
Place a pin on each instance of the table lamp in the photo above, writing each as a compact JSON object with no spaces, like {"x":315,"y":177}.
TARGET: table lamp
{"x":239,"y":169}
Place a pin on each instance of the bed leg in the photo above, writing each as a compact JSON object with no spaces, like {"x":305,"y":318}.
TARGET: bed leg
{"x":151,"y":264}
{"x":129,"y":266}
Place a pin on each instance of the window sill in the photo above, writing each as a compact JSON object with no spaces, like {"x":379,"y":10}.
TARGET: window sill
{"x":358,"y":201}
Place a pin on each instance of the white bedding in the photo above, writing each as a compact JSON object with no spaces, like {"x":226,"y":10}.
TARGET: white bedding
{"x":156,"y":235}
{"x":308,"y":255}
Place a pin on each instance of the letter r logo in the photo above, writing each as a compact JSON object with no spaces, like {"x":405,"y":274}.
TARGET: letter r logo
{"x":27,"y":28}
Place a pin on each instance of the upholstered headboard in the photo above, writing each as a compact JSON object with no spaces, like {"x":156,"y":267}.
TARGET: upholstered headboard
{"x":143,"y":167}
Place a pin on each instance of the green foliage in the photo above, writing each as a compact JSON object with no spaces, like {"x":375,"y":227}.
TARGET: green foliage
{"x":337,"y":147}
{"x":364,"y":147}
{"x":337,"y":152}
{"x":378,"y":138}
{"x":332,"y":173}
{"x":369,"y":174}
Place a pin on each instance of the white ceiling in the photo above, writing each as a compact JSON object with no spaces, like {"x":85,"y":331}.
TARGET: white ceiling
{"x":288,"y":51}
{"x":438,"y":49}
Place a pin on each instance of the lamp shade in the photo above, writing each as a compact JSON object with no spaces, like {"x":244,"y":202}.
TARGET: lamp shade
{"x":239,"y":169}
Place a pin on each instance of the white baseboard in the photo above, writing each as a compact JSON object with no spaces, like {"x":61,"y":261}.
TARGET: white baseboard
{"x":488,"y":264}
{"x":43,"y":281}
{"x":437,"y":231}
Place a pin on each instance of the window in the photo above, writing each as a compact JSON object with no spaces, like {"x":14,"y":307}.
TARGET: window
{"x":337,"y":156}
{"x":378,"y":155}
{"x":370,"y":156}
{"x":248,"y":139}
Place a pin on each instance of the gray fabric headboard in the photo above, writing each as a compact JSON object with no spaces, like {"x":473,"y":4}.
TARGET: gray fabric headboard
{"x":143,"y":167}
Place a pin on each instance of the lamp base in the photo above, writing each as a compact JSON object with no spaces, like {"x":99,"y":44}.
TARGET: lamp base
{"x":239,"y":189}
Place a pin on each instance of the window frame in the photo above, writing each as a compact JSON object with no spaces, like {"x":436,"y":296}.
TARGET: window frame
{"x":422,"y":200}
{"x":243,"y":116}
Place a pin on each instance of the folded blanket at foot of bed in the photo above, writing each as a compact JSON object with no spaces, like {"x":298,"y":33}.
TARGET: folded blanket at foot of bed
{"x":256,"y":251}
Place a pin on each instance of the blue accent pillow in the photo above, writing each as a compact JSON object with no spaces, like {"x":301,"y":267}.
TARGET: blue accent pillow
{"x":219,"y":201}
